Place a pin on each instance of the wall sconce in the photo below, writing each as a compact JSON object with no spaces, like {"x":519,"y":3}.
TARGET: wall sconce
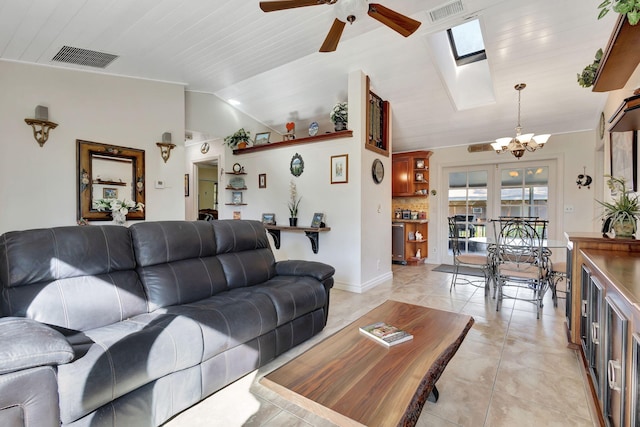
{"x":166,"y":146}
{"x":41,"y":125}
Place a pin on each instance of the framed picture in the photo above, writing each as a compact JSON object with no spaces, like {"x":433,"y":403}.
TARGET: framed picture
{"x":186,"y":185}
{"x":419,"y":163}
{"x":269,"y":218}
{"x":262,"y":138}
{"x":109,"y":193}
{"x":262,"y":180}
{"x":237,"y":215}
{"x":419,"y":177}
{"x":340,"y":169}
{"x":236,"y":197}
{"x":624,"y":157}
{"x":318,"y":220}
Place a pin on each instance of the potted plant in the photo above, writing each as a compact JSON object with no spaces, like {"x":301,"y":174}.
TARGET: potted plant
{"x":588,"y":76}
{"x":339,"y":116}
{"x":119,"y":208}
{"x":621,"y":214}
{"x":630,"y":8}
{"x":239,"y":139}
{"x":294,"y":201}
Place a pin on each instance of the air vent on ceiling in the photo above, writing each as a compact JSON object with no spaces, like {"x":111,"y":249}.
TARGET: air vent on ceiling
{"x":91,"y":58}
{"x":478,"y":148}
{"x":447,"y":10}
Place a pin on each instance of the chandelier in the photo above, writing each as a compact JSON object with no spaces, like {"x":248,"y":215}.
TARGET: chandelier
{"x":520,"y":143}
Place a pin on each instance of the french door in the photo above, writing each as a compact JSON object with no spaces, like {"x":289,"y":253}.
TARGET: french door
{"x":477,"y":194}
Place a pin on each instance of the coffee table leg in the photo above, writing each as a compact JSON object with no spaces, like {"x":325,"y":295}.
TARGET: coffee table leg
{"x":433,"y":396}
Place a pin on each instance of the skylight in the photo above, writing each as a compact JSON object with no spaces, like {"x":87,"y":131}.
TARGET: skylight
{"x":466,"y":42}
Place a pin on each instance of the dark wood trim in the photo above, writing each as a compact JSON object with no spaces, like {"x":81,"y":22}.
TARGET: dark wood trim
{"x":620,"y":58}
{"x":297,"y":141}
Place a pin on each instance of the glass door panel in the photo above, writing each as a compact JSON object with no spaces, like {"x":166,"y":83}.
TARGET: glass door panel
{"x":467,"y":198}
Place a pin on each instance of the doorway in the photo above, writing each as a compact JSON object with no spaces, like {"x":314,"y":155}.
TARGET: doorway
{"x":206,"y":179}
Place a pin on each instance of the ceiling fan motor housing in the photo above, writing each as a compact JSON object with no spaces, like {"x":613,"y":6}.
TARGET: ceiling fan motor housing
{"x":351,"y":10}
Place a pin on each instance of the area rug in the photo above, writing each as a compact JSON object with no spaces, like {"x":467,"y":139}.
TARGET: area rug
{"x":467,"y":271}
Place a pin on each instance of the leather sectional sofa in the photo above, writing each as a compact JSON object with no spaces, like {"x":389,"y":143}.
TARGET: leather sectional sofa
{"x":115,"y":326}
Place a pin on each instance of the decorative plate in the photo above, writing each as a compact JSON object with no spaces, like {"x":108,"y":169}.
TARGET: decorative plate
{"x":204,"y":148}
{"x":237,"y":182}
{"x":313,"y":129}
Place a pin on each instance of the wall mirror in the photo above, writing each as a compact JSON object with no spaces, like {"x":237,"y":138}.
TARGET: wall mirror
{"x":108,"y":171}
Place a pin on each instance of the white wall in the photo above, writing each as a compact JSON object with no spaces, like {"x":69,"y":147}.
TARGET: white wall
{"x":38,"y":185}
{"x":572,"y":152}
{"x":359,"y":235}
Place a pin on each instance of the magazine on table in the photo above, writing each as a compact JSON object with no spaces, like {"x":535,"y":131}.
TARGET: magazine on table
{"x":385,"y":334}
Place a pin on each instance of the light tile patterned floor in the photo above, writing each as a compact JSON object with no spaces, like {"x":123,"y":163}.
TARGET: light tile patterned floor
{"x":511,"y":370}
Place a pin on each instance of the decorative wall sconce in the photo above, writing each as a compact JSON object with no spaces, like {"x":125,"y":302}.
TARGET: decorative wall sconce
{"x":41,"y":125}
{"x":584,"y":180}
{"x":166,"y":146}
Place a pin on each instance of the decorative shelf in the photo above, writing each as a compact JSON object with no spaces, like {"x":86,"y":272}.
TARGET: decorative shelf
{"x":101,"y":182}
{"x":620,"y":58}
{"x":317,"y":138}
{"x":236,"y":189}
{"x":237,"y":173}
{"x":236,"y":204}
{"x":627,"y":116}
{"x":311,"y":232}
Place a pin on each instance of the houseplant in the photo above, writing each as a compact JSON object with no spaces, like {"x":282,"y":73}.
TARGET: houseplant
{"x":119,"y":208}
{"x":339,"y":116}
{"x":588,"y":75}
{"x":239,"y":139}
{"x":623,"y":211}
{"x":630,"y":8}
{"x":294,"y":201}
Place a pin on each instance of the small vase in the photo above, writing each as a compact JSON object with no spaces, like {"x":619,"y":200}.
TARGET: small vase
{"x":119,"y":218}
{"x":339,"y":125}
{"x":293,"y":222}
{"x":624,"y":229}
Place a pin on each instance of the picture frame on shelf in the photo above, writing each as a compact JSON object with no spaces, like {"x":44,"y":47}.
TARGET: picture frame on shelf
{"x":269,"y":219}
{"x":340,"y":169}
{"x":236,"y":197}
{"x":262,"y":138}
{"x":419,"y":177}
{"x":262,"y":180}
{"x":237,"y":215}
{"x":624,"y":162}
{"x":318,"y":220}
{"x":109,"y":193}
{"x":419,"y":163}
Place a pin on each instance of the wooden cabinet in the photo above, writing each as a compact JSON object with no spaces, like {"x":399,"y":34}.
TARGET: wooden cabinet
{"x":410,"y":174}
{"x":413,"y":247}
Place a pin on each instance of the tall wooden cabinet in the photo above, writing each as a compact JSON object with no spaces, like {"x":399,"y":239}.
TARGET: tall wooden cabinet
{"x":410,"y":174}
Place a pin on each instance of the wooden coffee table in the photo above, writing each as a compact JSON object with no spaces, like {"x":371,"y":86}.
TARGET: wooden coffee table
{"x":352,"y":380}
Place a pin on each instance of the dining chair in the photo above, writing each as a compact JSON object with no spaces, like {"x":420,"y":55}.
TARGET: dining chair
{"x":557,"y":275}
{"x":466,"y":260}
{"x":521,"y":261}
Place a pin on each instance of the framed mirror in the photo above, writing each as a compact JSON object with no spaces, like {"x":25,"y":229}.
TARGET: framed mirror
{"x":108,"y":171}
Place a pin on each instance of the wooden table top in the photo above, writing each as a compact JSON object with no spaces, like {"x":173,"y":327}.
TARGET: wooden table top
{"x":352,"y":380}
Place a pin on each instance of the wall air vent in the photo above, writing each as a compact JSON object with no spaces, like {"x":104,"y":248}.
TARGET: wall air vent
{"x":479,"y":148}
{"x":445,"y":11}
{"x":91,"y":58}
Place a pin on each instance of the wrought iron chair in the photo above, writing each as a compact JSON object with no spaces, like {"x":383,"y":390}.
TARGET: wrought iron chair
{"x":466,"y":260}
{"x":557,"y":275}
{"x":521,"y":261}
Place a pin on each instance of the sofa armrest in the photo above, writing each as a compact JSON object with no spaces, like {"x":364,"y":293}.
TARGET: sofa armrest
{"x":25,"y":343}
{"x":317,"y":270}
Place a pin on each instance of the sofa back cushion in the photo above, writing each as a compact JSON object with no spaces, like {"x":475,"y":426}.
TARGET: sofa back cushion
{"x":177,"y":261}
{"x":244,"y":252}
{"x":75,"y":277}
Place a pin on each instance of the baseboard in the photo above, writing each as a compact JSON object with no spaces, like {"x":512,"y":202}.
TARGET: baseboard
{"x":364,"y":287}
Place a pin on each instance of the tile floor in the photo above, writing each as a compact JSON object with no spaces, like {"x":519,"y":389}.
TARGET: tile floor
{"x":511,"y":370}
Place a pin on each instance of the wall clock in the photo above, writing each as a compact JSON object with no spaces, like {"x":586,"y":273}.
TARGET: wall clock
{"x":204,"y":148}
{"x":601,"y":126}
{"x":377,"y":171}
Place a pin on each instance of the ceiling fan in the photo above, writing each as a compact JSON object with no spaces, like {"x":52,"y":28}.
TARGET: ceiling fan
{"x":349,"y":11}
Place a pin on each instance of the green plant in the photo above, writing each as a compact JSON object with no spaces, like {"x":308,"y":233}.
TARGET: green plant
{"x":624,"y":208}
{"x":631,"y":8}
{"x":339,"y":113}
{"x":588,"y":75}
{"x":294,"y":200}
{"x":240,"y":135}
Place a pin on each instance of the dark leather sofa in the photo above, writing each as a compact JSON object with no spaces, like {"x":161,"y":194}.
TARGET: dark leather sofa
{"x":115,"y":326}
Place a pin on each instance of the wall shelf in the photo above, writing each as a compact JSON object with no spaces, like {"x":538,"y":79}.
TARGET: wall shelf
{"x":312,"y":233}
{"x":101,"y":182}
{"x":297,"y":141}
{"x":627,"y":116}
{"x":620,"y":58}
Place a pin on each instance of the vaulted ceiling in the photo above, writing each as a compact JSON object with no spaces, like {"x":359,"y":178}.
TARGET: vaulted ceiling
{"x":270,"y":64}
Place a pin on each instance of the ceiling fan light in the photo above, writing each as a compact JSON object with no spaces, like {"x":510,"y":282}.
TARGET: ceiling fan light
{"x":501,"y":143}
{"x":524,"y":139}
{"x":350,"y":10}
{"x":541,"y":139}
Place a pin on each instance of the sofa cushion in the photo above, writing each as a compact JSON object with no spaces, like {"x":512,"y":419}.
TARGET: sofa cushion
{"x":25,"y":343}
{"x":113,"y":360}
{"x":46,"y":275}
{"x":176,"y":262}
{"x":293,"y":296}
{"x":244,"y":252}
{"x":229,"y":319}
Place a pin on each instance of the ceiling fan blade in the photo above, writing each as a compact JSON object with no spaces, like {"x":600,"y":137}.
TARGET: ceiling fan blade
{"x":394,"y":20}
{"x":272,"y":6}
{"x":331,"y":41}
